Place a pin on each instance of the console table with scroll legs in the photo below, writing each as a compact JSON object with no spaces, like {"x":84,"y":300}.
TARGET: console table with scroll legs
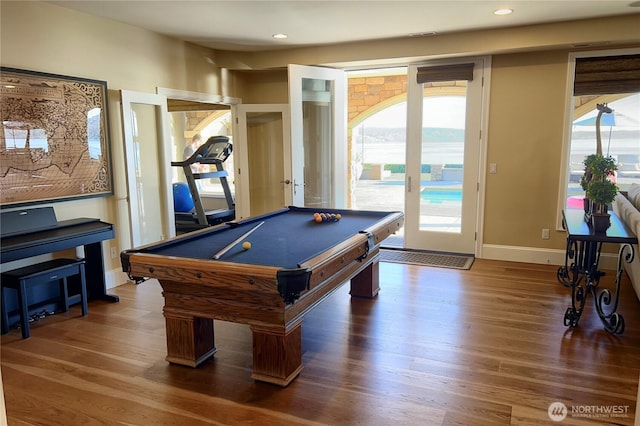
{"x":580,"y":271}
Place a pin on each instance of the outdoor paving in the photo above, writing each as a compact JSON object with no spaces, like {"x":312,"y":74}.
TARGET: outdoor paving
{"x":388,"y":195}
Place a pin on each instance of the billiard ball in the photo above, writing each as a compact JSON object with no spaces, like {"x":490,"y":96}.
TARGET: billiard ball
{"x":246,"y":245}
{"x":326,"y":217}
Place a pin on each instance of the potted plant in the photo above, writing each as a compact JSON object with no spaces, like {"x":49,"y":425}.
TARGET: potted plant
{"x":597,"y":168}
{"x":601,"y":193}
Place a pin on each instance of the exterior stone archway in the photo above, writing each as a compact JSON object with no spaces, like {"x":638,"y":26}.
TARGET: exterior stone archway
{"x":371,"y":93}
{"x":198,"y":120}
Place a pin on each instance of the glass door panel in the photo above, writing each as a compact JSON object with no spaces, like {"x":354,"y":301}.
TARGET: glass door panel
{"x":148,"y":163}
{"x":317,"y":98}
{"x":443,"y":155}
{"x":317,"y":142}
{"x":442,"y":162}
{"x":147,"y":174}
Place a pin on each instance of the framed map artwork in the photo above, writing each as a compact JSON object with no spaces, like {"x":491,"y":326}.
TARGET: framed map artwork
{"x":54,"y":140}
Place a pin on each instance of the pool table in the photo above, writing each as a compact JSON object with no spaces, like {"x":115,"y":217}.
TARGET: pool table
{"x":293,"y":264}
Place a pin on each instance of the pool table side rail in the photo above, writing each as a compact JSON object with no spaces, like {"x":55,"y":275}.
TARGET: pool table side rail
{"x":343,"y":263}
{"x":320,"y":289}
{"x":356,"y":248}
{"x":205,"y":272}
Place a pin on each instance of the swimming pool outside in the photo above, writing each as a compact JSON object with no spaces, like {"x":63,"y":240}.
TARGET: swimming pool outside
{"x":431,"y":191}
{"x":432,"y":195}
{"x":440,"y":207}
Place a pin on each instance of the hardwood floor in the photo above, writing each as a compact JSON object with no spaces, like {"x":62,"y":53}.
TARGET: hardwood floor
{"x":437,"y":346}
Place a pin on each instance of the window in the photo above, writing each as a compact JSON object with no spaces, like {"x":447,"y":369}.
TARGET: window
{"x":610,"y":81}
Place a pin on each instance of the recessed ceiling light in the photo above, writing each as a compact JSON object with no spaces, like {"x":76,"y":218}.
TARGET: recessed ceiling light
{"x":501,"y":12}
{"x":279,"y":36}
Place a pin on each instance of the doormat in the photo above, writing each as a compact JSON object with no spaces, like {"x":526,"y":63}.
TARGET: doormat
{"x":425,"y":258}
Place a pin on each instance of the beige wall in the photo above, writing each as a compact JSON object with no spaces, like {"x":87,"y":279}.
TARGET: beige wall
{"x":526,"y":106}
{"x":49,"y":38}
{"x":262,"y":87}
{"x":42,"y":37}
{"x":526,"y":115}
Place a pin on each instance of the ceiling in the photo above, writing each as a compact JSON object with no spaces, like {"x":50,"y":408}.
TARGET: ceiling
{"x":249,"y":25}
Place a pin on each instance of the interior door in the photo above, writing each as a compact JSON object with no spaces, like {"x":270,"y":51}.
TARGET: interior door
{"x":317,"y":99}
{"x":263,"y":153}
{"x":147,"y":158}
{"x":442,"y":180}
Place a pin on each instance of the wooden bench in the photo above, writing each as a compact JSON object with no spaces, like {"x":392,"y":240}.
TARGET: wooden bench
{"x":53,"y":271}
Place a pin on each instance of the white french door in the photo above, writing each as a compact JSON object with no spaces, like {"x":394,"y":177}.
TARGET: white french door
{"x":145,"y":126}
{"x":296,"y":153}
{"x":442,"y":179}
{"x":317,"y":99}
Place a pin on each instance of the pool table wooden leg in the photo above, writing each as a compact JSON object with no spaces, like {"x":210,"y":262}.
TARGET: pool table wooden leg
{"x":367,"y":282}
{"x":277,"y":354}
{"x":189,"y":339}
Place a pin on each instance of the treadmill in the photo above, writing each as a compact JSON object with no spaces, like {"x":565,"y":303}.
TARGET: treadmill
{"x":214,"y":151}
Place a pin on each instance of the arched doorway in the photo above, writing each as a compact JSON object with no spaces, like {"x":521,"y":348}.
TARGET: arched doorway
{"x":377,"y":147}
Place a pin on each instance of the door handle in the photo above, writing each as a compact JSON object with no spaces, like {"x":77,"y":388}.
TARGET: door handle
{"x":295,"y":191}
{"x":408,"y":183}
{"x":286,"y":181}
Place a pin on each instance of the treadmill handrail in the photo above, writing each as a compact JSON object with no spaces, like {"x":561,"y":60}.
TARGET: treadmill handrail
{"x":203,"y":154}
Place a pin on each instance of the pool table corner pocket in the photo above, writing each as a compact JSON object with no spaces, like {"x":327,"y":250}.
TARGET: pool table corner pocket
{"x":292,"y":282}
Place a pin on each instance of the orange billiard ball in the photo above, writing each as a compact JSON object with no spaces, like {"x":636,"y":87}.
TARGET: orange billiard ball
{"x":246,"y":245}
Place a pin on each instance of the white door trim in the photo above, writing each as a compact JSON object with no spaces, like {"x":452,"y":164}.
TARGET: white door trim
{"x":164,"y":157}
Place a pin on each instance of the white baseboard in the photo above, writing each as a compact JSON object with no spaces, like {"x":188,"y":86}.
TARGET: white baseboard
{"x":115,"y":277}
{"x":538,"y":255}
